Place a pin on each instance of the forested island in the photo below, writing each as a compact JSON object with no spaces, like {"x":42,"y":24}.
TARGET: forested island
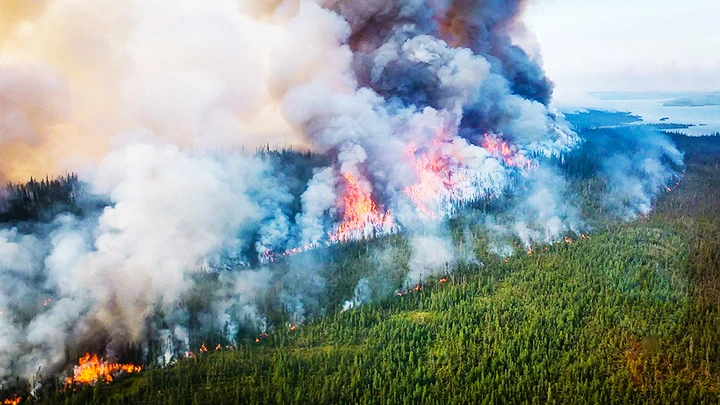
{"x":698,"y":100}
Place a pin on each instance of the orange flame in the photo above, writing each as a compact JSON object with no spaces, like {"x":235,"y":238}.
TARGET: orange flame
{"x":12,"y":401}
{"x":91,"y":369}
{"x":442,"y":179}
{"x":568,"y":240}
{"x":431,"y":182}
{"x":361,"y":219}
{"x":502,"y":149}
{"x":262,"y":336}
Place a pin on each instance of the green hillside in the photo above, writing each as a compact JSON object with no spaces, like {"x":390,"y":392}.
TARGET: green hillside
{"x":629,"y":315}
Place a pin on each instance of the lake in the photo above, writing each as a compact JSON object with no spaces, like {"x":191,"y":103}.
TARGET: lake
{"x":652,"y":110}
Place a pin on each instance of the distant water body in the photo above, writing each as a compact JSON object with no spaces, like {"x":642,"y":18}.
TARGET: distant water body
{"x":650,"y":107}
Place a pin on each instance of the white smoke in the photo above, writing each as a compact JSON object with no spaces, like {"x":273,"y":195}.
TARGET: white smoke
{"x":157,"y":105}
{"x":431,"y":255}
{"x":168,"y":212}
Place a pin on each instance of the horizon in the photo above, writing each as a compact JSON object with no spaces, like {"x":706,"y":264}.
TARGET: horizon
{"x":592,"y":47}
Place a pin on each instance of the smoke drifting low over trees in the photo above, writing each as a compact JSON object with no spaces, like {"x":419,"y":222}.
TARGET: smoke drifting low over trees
{"x":398,"y":117}
{"x":615,"y":309}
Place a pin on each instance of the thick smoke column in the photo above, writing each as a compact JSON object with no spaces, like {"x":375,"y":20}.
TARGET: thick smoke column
{"x":417,"y":107}
{"x":418,"y":91}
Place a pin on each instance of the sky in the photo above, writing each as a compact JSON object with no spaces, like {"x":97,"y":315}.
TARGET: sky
{"x":639,"y":45}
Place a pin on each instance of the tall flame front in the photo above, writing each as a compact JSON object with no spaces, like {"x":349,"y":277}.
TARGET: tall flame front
{"x":442,"y":180}
{"x":361,"y":219}
{"x":437,"y":182}
{"x":503,"y":150}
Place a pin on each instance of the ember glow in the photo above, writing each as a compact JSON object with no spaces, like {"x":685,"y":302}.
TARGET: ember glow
{"x":12,"y":401}
{"x":262,"y":336}
{"x":270,"y":256}
{"x":361,"y":219}
{"x":91,"y":369}
{"x":674,"y":187}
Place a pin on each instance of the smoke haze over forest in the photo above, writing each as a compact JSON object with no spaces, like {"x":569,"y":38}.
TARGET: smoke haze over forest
{"x":400,"y":114}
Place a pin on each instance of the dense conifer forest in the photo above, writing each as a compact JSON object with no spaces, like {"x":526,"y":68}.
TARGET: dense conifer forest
{"x":39,"y":200}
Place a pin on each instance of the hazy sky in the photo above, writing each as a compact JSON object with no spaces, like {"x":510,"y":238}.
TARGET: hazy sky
{"x":629,"y":44}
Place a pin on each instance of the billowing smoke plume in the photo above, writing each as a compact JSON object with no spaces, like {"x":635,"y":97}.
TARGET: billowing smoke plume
{"x":413,"y":110}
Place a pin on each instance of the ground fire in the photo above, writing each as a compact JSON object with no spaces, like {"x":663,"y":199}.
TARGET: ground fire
{"x":91,"y":369}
